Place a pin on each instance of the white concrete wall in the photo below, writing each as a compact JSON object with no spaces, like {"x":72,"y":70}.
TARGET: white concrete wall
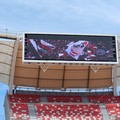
{"x":6,"y":54}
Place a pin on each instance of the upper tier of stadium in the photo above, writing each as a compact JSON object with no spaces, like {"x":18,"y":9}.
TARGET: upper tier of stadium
{"x":16,"y":74}
{"x":62,"y":92}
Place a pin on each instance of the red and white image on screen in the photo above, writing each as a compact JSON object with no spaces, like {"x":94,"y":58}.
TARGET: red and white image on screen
{"x":71,"y":50}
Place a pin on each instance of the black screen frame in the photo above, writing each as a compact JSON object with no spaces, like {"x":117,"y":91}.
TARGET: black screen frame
{"x":71,"y":37}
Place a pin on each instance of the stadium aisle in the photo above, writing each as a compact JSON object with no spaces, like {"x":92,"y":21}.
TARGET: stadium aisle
{"x":31,"y":109}
{"x":104,"y":112}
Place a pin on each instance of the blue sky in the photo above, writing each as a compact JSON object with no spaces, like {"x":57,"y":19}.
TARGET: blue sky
{"x":59,"y":16}
{"x":3,"y":90}
{"x":62,"y":16}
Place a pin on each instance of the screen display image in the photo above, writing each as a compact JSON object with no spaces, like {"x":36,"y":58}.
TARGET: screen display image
{"x":68,"y":48}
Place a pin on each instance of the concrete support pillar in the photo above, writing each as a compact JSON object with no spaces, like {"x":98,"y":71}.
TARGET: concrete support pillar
{"x":13,"y":63}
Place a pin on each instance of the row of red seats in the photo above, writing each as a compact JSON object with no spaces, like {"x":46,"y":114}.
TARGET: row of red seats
{"x":19,"y":111}
{"x":72,"y":111}
{"x":103,"y":99}
{"x":55,"y":98}
{"x":24,"y":98}
{"x":64,"y":98}
{"x":114,"y":111}
{"x":70,"y":118}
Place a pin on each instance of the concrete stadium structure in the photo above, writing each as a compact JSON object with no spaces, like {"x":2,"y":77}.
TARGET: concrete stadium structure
{"x":57,"y":77}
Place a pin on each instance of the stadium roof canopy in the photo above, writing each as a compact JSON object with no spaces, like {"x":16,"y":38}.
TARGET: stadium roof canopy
{"x":15,"y":73}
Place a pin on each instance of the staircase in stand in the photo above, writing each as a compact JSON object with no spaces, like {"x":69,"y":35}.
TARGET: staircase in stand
{"x":32,"y":113}
{"x":104,"y":112}
{"x":84,"y":99}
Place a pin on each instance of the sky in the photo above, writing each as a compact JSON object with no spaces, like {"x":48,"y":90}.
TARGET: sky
{"x":61,"y":16}
{"x":58,"y":16}
{"x":3,"y":90}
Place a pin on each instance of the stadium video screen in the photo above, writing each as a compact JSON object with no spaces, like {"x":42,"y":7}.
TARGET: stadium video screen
{"x":67,"y":48}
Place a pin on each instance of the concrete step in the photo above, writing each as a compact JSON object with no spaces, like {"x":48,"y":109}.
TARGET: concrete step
{"x":32,"y":113}
{"x":84,"y":99}
{"x":104,"y":112}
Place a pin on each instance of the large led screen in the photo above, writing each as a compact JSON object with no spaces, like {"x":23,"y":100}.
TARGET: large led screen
{"x":69,"y":48}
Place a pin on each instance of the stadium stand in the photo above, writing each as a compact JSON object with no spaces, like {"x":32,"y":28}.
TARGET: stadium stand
{"x":23,"y":98}
{"x":66,"y":106}
{"x":113,"y":111}
{"x":68,"y":111}
{"x":63,"y":109}
{"x":64,"y":98}
{"x":94,"y":95}
{"x":104,"y":99}
{"x":19,"y":111}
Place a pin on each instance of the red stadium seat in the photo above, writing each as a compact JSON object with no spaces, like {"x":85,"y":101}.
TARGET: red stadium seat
{"x":103,"y":99}
{"x":56,"y":98}
{"x":19,"y":111}
{"x":24,"y":98}
{"x":113,"y":110}
{"x":69,"y":111}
